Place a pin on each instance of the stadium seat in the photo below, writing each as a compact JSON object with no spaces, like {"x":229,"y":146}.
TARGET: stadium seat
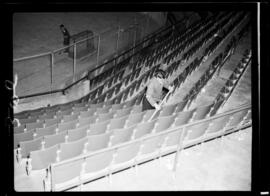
{"x":71,"y":149}
{"x":171,"y":141}
{"x":183,"y":117}
{"x":164,"y":123}
{"x":117,"y":106}
{"x":67,"y":126}
{"x":87,"y":121}
{"x":117,"y":123}
{"x":90,"y":112}
{"x":99,"y":128}
{"x":143,"y":129}
{"x":40,"y":132}
{"x":150,"y":148}
{"x":216,"y":126}
{"x":77,"y":133}
{"x":134,"y":119}
{"x":103,"y":110}
{"x":34,"y":125}
{"x":125,"y":156}
{"x":68,"y":118}
{"x":202,"y":111}
{"x":97,"y":165}
{"x":121,"y":135}
{"x":20,"y":137}
{"x":51,"y":140}
{"x":41,"y":159}
{"x":168,"y":110}
{"x":194,"y":133}
{"x":97,"y":142}
{"x":31,"y":145}
{"x":123,"y":112}
{"x":66,"y":175}
{"x":19,"y":129}
{"x":50,"y":122}
{"x":105,"y":117}
{"x":180,"y":106}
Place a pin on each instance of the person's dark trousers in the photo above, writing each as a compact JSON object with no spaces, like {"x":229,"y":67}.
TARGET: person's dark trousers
{"x":146,"y":105}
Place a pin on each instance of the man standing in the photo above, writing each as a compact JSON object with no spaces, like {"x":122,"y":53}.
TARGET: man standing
{"x":153,"y":94}
{"x":66,"y":36}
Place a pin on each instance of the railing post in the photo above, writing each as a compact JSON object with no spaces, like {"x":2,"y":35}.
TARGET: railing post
{"x":98,"y":47}
{"x":51,"y":68}
{"x":74,"y":61}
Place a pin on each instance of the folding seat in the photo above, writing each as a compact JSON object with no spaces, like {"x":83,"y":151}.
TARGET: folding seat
{"x":149,"y":114}
{"x":97,"y":142}
{"x":98,"y":105}
{"x":103,"y":110}
{"x":68,"y":118}
{"x":99,"y":91}
{"x":28,"y":146}
{"x":71,"y":149}
{"x":41,"y":159}
{"x":20,"y":137}
{"x":97,"y":165}
{"x":66,"y":175}
{"x":217,"y":126}
{"x":126,"y":79}
{"x":237,"y":118}
{"x":62,"y":113}
{"x":134,"y":118}
{"x":123,"y":112}
{"x":105,"y":117}
{"x":47,"y":116}
{"x":51,"y":140}
{"x":130,"y":103}
{"x":168,"y":110}
{"x":183,"y":117}
{"x":50,"y":122}
{"x":202,"y":112}
{"x":121,"y":135}
{"x":30,"y":126}
{"x":125,"y":94}
{"x":194,"y":133}
{"x":36,"y":113}
{"x":102,"y":98}
{"x":87,"y":121}
{"x":132,"y":88}
{"x":99,"y":128}
{"x":67,"y":126}
{"x":76,"y":134}
{"x":117,"y":123}
{"x":125,"y":157}
{"x":164,"y":123}
{"x":40,"y":132}
{"x":19,"y":129}
{"x":23,"y":115}
{"x":181,"y":105}
{"x":150,"y":148}
{"x":118,"y":99}
{"x":28,"y":120}
{"x":117,"y":106}
{"x":90,"y":112}
{"x":143,"y":129}
{"x":117,"y":88}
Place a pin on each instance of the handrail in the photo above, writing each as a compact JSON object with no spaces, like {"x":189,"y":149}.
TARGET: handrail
{"x":159,"y":31}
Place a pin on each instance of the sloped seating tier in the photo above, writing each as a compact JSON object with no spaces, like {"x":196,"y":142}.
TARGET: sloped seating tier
{"x":131,"y":153}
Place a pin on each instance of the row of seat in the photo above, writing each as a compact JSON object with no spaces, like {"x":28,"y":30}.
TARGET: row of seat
{"x":231,"y":83}
{"x":90,"y":166}
{"x":218,"y":61}
{"x":171,"y":68}
{"x":99,"y":91}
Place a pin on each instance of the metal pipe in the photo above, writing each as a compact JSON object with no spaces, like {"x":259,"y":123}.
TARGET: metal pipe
{"x":52,"y":63}
{"x":74,"y":60}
